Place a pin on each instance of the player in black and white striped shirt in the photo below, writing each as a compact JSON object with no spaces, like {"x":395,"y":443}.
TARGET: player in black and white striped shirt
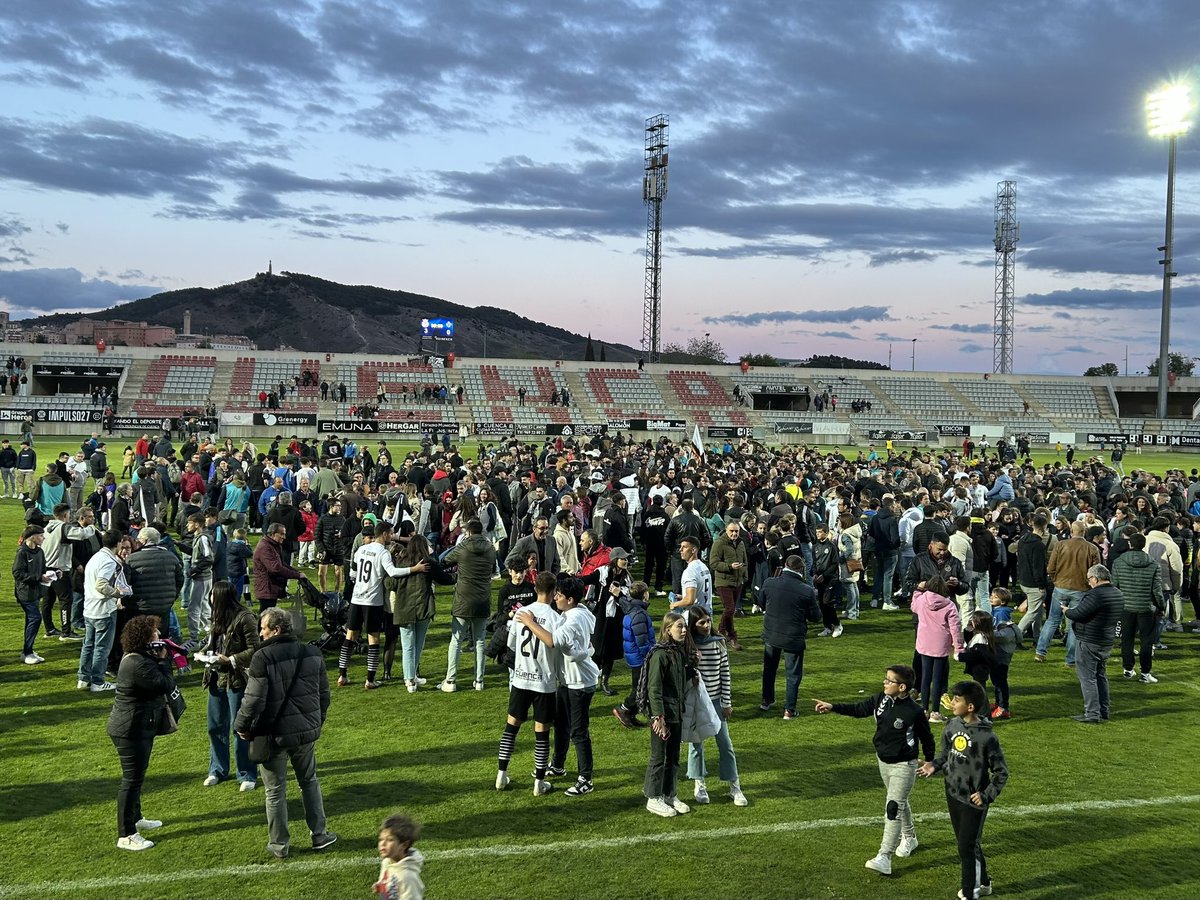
{"x":372,"y":563}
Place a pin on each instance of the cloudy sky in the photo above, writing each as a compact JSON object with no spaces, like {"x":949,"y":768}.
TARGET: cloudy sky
{"x":833,"y":163}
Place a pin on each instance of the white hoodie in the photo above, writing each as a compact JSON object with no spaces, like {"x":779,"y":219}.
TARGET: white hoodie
{"x":401,"y":879}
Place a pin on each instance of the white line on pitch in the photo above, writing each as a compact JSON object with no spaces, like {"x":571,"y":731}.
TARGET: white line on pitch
{"x":325,"y":863}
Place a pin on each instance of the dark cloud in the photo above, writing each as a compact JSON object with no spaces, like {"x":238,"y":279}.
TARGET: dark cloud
{"x":972,"y":347}
{"x":976,"y":328}
{"x":1077,"y":348}
{"x":843,"y":335}
{"x":33,"y":292}
{"x":849,"y":314}
{"x":889,"y":257}
{"x":1084,"y":299}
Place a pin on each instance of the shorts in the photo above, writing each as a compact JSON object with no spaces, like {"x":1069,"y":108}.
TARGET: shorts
{"x":368,"y":619}
{"x":520,"y":699}
{"x":326,"y":558}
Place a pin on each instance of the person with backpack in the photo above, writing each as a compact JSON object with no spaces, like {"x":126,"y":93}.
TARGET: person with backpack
{"x":638,"y":637}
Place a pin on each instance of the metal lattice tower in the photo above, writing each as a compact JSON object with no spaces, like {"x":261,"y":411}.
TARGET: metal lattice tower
{"x":654,"y":191}
{"x":1008,"y":232}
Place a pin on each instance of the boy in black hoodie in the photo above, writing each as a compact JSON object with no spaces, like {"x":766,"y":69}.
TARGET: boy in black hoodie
{"x":900,"y":726}
{"x":975,"y":774}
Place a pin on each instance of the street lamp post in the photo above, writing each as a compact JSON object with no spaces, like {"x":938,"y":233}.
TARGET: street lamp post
{"x":914,"y":354}
{"x":1168,"y":114}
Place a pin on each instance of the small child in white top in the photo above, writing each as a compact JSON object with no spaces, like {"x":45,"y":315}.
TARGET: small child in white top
{"x":400,"y":862}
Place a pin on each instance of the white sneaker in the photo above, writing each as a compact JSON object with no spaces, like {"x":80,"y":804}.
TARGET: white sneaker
{"x":984,"y":890}
{"x":825,"y":632}
{"x":889,"y":606}
{"x":448,"y":687}
{"x":756,"y":610}
{"x":679,"y":806}
{"x":32,"y":659}
{"x":701,"y":791}
{"x":541,"y":787}
{"x":1129,"y":673}
{"x":880,"y":864}
{"x":837,"y":632}
{"x":134,"y":842}
{"x":660,"y":807}
{"x":109,"y":686}
{"x":148,"y":824}
{"x":501,"y":780}
{"x":82,"y":685}
{"x":478,"y":685}
{"x":739,"y":799}
{"x":1147,"y":678}
{"x":907,"y":847}
{"x":212,"y":780}
{"x":411,"y":686}
{"x":247,"y":786}
{"x":420,"y":681}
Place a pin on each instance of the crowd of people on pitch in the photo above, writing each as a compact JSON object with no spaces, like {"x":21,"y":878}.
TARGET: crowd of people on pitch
{"x":789,"y":532}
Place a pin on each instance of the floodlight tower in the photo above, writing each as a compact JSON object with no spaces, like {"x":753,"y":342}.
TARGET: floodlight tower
{"x":1008,"y":232}
{"x":654,"y":191}
{"x":1169,"y":114}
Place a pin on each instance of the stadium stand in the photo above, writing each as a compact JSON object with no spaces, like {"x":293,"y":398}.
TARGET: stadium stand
{"x":623,"y":393}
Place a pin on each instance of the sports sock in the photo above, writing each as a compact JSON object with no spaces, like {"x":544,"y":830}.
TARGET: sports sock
{"x":344,"y":658}
{"x":508,"y":740}
{"x":541,"y":754}
{"x":372,"y":661}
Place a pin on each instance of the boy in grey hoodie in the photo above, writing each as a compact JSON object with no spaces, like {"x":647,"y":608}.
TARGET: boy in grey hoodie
{"x":975,"y":774}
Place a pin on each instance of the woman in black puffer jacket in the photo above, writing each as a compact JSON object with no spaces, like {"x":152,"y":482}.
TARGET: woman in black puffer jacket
{"x":144,"y":680}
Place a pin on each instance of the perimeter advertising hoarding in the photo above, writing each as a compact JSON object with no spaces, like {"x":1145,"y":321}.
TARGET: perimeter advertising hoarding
{"x":887,"y":434}
{"x":555,"y":428}
{"x":736,"y":431}
{"x":793,"y":427}
{"x":380,"y":426}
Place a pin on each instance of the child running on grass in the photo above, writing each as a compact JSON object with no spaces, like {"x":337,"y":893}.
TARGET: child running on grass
{"x":975,"y":774}
{"x":400,"y":862}
{"x":900,"y":726}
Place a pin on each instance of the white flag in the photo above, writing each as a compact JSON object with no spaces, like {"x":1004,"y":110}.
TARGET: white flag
{"x":696,"y":442}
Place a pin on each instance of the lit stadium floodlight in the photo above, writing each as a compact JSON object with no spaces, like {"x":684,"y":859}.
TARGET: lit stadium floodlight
{"x":1169,"y":110}
{"x":1168,"y":114}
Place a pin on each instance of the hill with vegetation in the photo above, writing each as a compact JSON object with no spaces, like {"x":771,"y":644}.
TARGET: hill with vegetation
{"x":307,"y":313}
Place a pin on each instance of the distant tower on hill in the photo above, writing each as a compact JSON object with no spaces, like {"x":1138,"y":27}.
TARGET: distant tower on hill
{"x":187,"y":321}
{"x":270,"y":267}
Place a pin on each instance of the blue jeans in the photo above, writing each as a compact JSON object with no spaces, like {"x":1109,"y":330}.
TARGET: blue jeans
{"x":465,"y":631}
{"x":727,"y":761}
{"x":412,"y":645}
{"x":885,"y":568}
{"x":98,"y":637}
{"x":77,"y":623}
{"x":1054,"y":616}
{"x":806,"y":552}
{"x":793,"y":667}
{"x":223,"y":708}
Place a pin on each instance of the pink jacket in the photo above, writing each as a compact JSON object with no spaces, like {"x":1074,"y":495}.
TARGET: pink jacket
{"x":938,"y":629}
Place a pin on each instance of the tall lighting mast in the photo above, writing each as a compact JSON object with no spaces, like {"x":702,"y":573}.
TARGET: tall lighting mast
{"x":654,"y":191}
{"x":1008,"y":232}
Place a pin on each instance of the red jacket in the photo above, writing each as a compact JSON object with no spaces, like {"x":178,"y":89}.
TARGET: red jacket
{"x":594,"y":560}
{"x":190,"y":483}
{"x":310,"y":526}
{"x":270,"y":574}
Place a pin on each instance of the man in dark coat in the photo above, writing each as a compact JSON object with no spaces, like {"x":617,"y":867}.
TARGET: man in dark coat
{"x":616,"y":522}
{"x":885,"y":530}
{"x":789,"y":605}
{"x":286,"y":701}
{"x":271,"y":573}
{"x":1094,"y":619}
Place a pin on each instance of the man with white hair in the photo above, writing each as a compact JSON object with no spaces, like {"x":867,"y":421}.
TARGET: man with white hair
{"x":1094,"y":619}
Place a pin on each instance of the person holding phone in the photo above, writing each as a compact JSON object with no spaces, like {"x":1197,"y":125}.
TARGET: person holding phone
{"x":144,"y":680}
